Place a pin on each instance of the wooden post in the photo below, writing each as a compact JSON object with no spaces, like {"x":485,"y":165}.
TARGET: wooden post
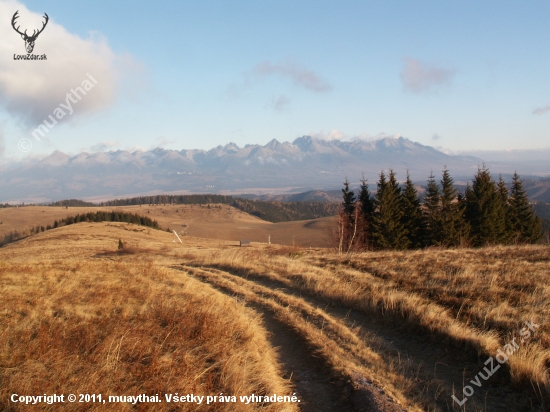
{"x":176,"y":236}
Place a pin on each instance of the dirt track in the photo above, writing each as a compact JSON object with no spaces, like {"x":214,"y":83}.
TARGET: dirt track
{"x":292,"y":316}
{"x":339,"y":350}
{"x":319,"y":383}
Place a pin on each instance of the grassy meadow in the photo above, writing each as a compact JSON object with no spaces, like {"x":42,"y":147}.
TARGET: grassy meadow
{"x":373,"y":331}
{"x":204,"y":221}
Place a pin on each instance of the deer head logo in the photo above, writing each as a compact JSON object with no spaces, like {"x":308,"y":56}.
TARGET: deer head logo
{"x":29,"y":40}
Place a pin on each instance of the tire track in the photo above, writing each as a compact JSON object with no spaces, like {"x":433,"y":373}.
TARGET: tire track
{"x":427,"y":364}
{"x":321,"y":349}
{"x":317,"y":390}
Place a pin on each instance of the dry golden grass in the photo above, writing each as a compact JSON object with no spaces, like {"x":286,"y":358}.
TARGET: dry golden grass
{"x":417,"y":325}
{"x":214,"y":222}
{"x":493,"y":290}
{"x":74,"y":321}
{"x":474,"y":301}
{"x":348,"y":356}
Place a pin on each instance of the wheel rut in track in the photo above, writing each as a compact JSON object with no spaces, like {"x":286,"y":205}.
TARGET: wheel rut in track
{"x":429,"y":364}
{"x":318,"y":385}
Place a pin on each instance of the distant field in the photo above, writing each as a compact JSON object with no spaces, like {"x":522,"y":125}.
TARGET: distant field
{"x":378,"y":331}
{"x":206,"y":221}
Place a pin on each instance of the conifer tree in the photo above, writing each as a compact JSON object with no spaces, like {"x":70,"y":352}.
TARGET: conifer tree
{"x":366,"y":205}
{"x":525,"y":225}
{"x":377,"y":228}
{"x":347,"y":219}
{"x":503,"y":212}
{"x":348,"y":201}
{"x":413,"y":221}
{"x":482,"y":210}
{"x":465,"y":225}
{"x":431,"y":208}
{"x":450,"y":216}
{"x":389,"y":231}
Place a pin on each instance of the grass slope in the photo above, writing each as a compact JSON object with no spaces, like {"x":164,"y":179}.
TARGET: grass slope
{"x":78,"y":317}
{"x":385,"y":331}
{"x":207,"y":221}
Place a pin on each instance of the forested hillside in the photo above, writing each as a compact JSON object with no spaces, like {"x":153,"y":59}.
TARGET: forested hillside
{"x":86,"y":217}
{"x":72,"y":203}
{"x":542,"y":210}
{"x":395,"y":217}
{"x":270,"y":211}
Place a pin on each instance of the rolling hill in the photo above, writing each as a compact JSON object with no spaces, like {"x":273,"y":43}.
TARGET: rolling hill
{"x":211,"y":221}
{"x":379,"y":331}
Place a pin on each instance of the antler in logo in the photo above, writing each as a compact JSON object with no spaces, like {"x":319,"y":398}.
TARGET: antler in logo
{"x":29,"y":40}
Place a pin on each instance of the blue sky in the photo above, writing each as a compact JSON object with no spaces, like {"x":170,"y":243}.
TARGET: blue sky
{"x":460,"y":76}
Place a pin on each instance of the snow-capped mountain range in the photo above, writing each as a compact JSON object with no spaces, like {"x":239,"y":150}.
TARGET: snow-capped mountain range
{"x":304,"y":164}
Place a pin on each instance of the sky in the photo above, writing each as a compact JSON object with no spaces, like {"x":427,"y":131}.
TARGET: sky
{"x":458,"y":76}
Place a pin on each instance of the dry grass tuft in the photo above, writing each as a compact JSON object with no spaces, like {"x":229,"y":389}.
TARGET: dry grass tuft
{"x":469,"y":300}
{"x":125,"y":329}
{"x":126,"y":250}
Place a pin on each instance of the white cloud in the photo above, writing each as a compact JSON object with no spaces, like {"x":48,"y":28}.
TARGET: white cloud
{"x":339,"y":135}
{"x":132,"y":149}
{"x":436,"y":136}
{"x":332,"y":135}
{"x":279,"y":104}
{"x":103,"y":146}
{"x":162,"y":141}
{"x":300,"y":76}
{"x":369,"y":137}
{"x":31,"y":90}
{"x":2,"y":142}
{"x":542,"y":110}
{"x":419,"y":77}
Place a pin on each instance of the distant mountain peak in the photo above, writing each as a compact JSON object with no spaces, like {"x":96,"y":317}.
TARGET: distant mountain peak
{"x":308,"y":143}
{"x":229,"y":148}
{"x":273,"y":144}
{"x":55,"y":159}
{"x":306,"y":162}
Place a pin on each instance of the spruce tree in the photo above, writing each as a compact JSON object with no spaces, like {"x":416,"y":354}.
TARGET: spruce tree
{"x":366,"y":204}
{"x":525,"y":225}
{"x":413,"y":221}
{"x":483,"y":213}
{"x":450,"y":216}
{"x":464,"y":224}
{"x":348,"y":201}
{"x":503,"y":211}
{"x":346,"y":223}
{"x":378,"y":231}
{"x":431,"y":211}
{"x":389,"y":231}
